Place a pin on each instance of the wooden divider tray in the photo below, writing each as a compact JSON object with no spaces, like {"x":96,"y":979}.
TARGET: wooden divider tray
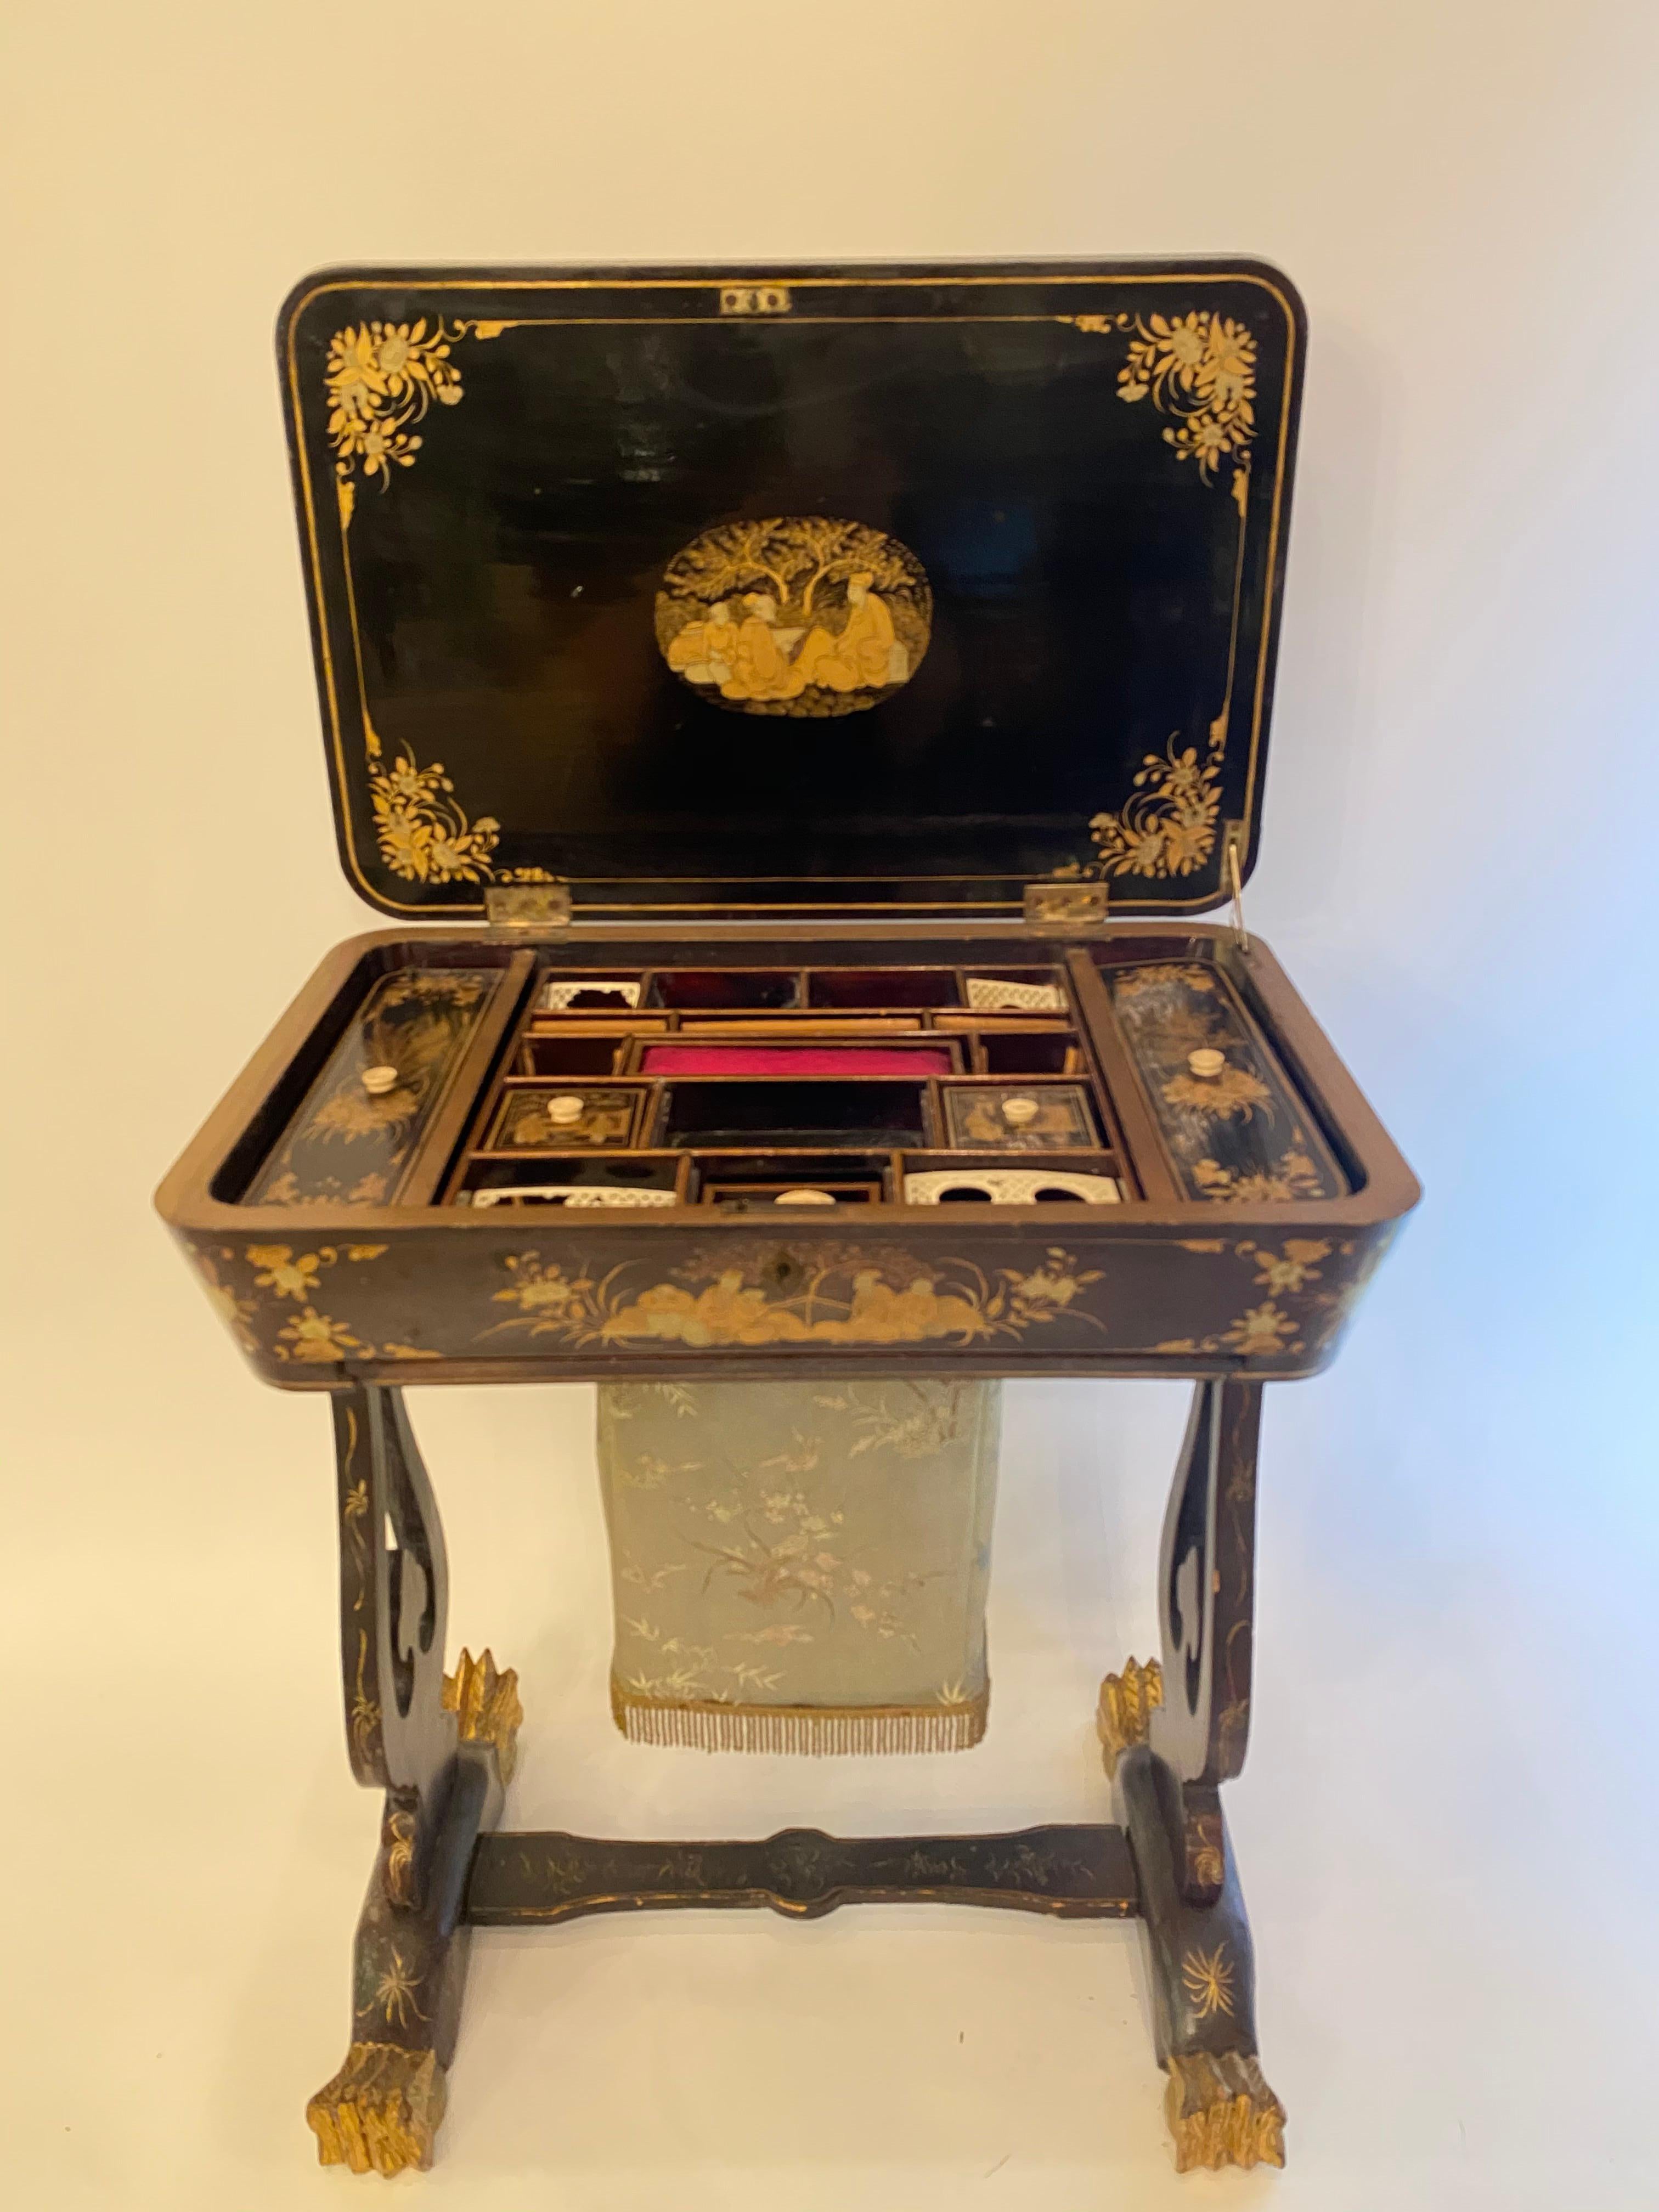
{"x":750,"y":1070}
{"x":1026,"y":1106}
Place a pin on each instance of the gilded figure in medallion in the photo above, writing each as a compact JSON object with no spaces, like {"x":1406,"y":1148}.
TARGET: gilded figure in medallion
{"x":801,"y":615}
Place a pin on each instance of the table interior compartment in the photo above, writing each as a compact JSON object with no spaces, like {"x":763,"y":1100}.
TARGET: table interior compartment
{"x":816,"y":1021}
{"x":1238,"y":1128}
{"x":1105,"y":1165}
{"x":887,"y":987}
{"x":780,"y":1113}
{"x":613,"y":1107}
{"x":668,"y":1172}
{"x":599,"y":992}
{"x":754,"y":1132}
{"x":577,"y":1052}
{"x":703,"y":990}
{"x":755,"y":1183}
{"x":1028,"y":1052}
{"x":392,"y":1070}
{"x":967,"y":1106}
{"x":804,"y":1057}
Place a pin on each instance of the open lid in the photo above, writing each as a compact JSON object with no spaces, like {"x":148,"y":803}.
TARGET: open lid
{"x":857,"y":591}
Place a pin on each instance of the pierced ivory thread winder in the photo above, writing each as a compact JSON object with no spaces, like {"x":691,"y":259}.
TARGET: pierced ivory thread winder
{"x":1009,"y":1187}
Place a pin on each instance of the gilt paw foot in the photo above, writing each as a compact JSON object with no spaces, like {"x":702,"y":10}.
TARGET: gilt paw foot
{"x":1125,"y":1711}
{"x":1221,"y":2112}
{"x":380,"y":2111}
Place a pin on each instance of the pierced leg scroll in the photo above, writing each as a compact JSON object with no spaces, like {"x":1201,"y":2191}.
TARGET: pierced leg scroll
{"x":1206,"y":1596}
{"x":441,"y":1747}
{"x":1172,"y":1732}
{"x":1207,"y":1588}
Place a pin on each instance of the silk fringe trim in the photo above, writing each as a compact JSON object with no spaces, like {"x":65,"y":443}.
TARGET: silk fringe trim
{"x":823,"y":1731}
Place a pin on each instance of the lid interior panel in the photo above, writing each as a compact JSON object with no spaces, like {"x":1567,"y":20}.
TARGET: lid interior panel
{"x":919,"y":588}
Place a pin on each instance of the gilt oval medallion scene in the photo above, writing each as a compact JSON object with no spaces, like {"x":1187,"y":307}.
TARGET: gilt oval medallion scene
{"x":795,"y":615}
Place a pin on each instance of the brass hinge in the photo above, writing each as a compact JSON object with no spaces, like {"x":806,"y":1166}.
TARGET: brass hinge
{"x":527,"y":906}
{"x":1066,"y":905}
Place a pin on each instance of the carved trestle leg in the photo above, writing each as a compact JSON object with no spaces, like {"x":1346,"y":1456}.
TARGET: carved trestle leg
{"x":1172,"y":1733}
{"x":442,"y":1749}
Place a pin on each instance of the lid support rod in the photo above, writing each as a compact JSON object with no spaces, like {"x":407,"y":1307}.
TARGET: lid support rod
{"x":1234,"y":840}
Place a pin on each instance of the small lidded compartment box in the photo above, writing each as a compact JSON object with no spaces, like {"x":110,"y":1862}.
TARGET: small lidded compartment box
{"x":795,"y":724}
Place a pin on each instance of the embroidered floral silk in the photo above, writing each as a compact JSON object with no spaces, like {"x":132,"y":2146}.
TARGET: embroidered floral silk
{"x":800,"y":1566}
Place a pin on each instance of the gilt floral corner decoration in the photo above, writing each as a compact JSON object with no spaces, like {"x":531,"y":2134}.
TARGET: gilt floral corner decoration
{"x":1167,"y":825}
{"x":382,"y":379}
{"x":286,"y":1323}
{"x":423,"y":834}
{"x":1291,"y":1319}
{"x":1199,"y":371}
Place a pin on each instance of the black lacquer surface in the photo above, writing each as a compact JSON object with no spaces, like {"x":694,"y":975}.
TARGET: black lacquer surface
{"x":1234,"y":1125}
{"x":352,"y":1139}
{"x":1076,"y":1872}
{"x":496,"y":472}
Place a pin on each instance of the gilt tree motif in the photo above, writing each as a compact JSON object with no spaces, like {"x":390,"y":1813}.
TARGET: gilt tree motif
{"x":792,"y":559}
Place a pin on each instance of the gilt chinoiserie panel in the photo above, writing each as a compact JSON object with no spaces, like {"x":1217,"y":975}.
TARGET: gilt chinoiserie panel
{"x":797,"y":615}
{"x":598,"y":1304}
{"x":575,"y":541}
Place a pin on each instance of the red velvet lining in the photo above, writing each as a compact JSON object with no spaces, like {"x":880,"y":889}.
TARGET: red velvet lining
{"x":792,"y":1060}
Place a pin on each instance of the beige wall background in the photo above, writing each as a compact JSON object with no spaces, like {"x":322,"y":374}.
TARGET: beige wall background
{"x":1446,"y":1826}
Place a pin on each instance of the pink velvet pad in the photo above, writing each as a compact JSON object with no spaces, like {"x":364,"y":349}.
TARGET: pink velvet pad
{"x":790,"y":1059}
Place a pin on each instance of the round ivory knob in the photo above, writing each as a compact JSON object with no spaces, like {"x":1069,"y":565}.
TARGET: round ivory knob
{"x":378,"y":1079}
{"x":1206,"y":1061}
{"x":1019,"y":1113}
{"x":564,"y":1110}
{"x":804,"y":1198}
